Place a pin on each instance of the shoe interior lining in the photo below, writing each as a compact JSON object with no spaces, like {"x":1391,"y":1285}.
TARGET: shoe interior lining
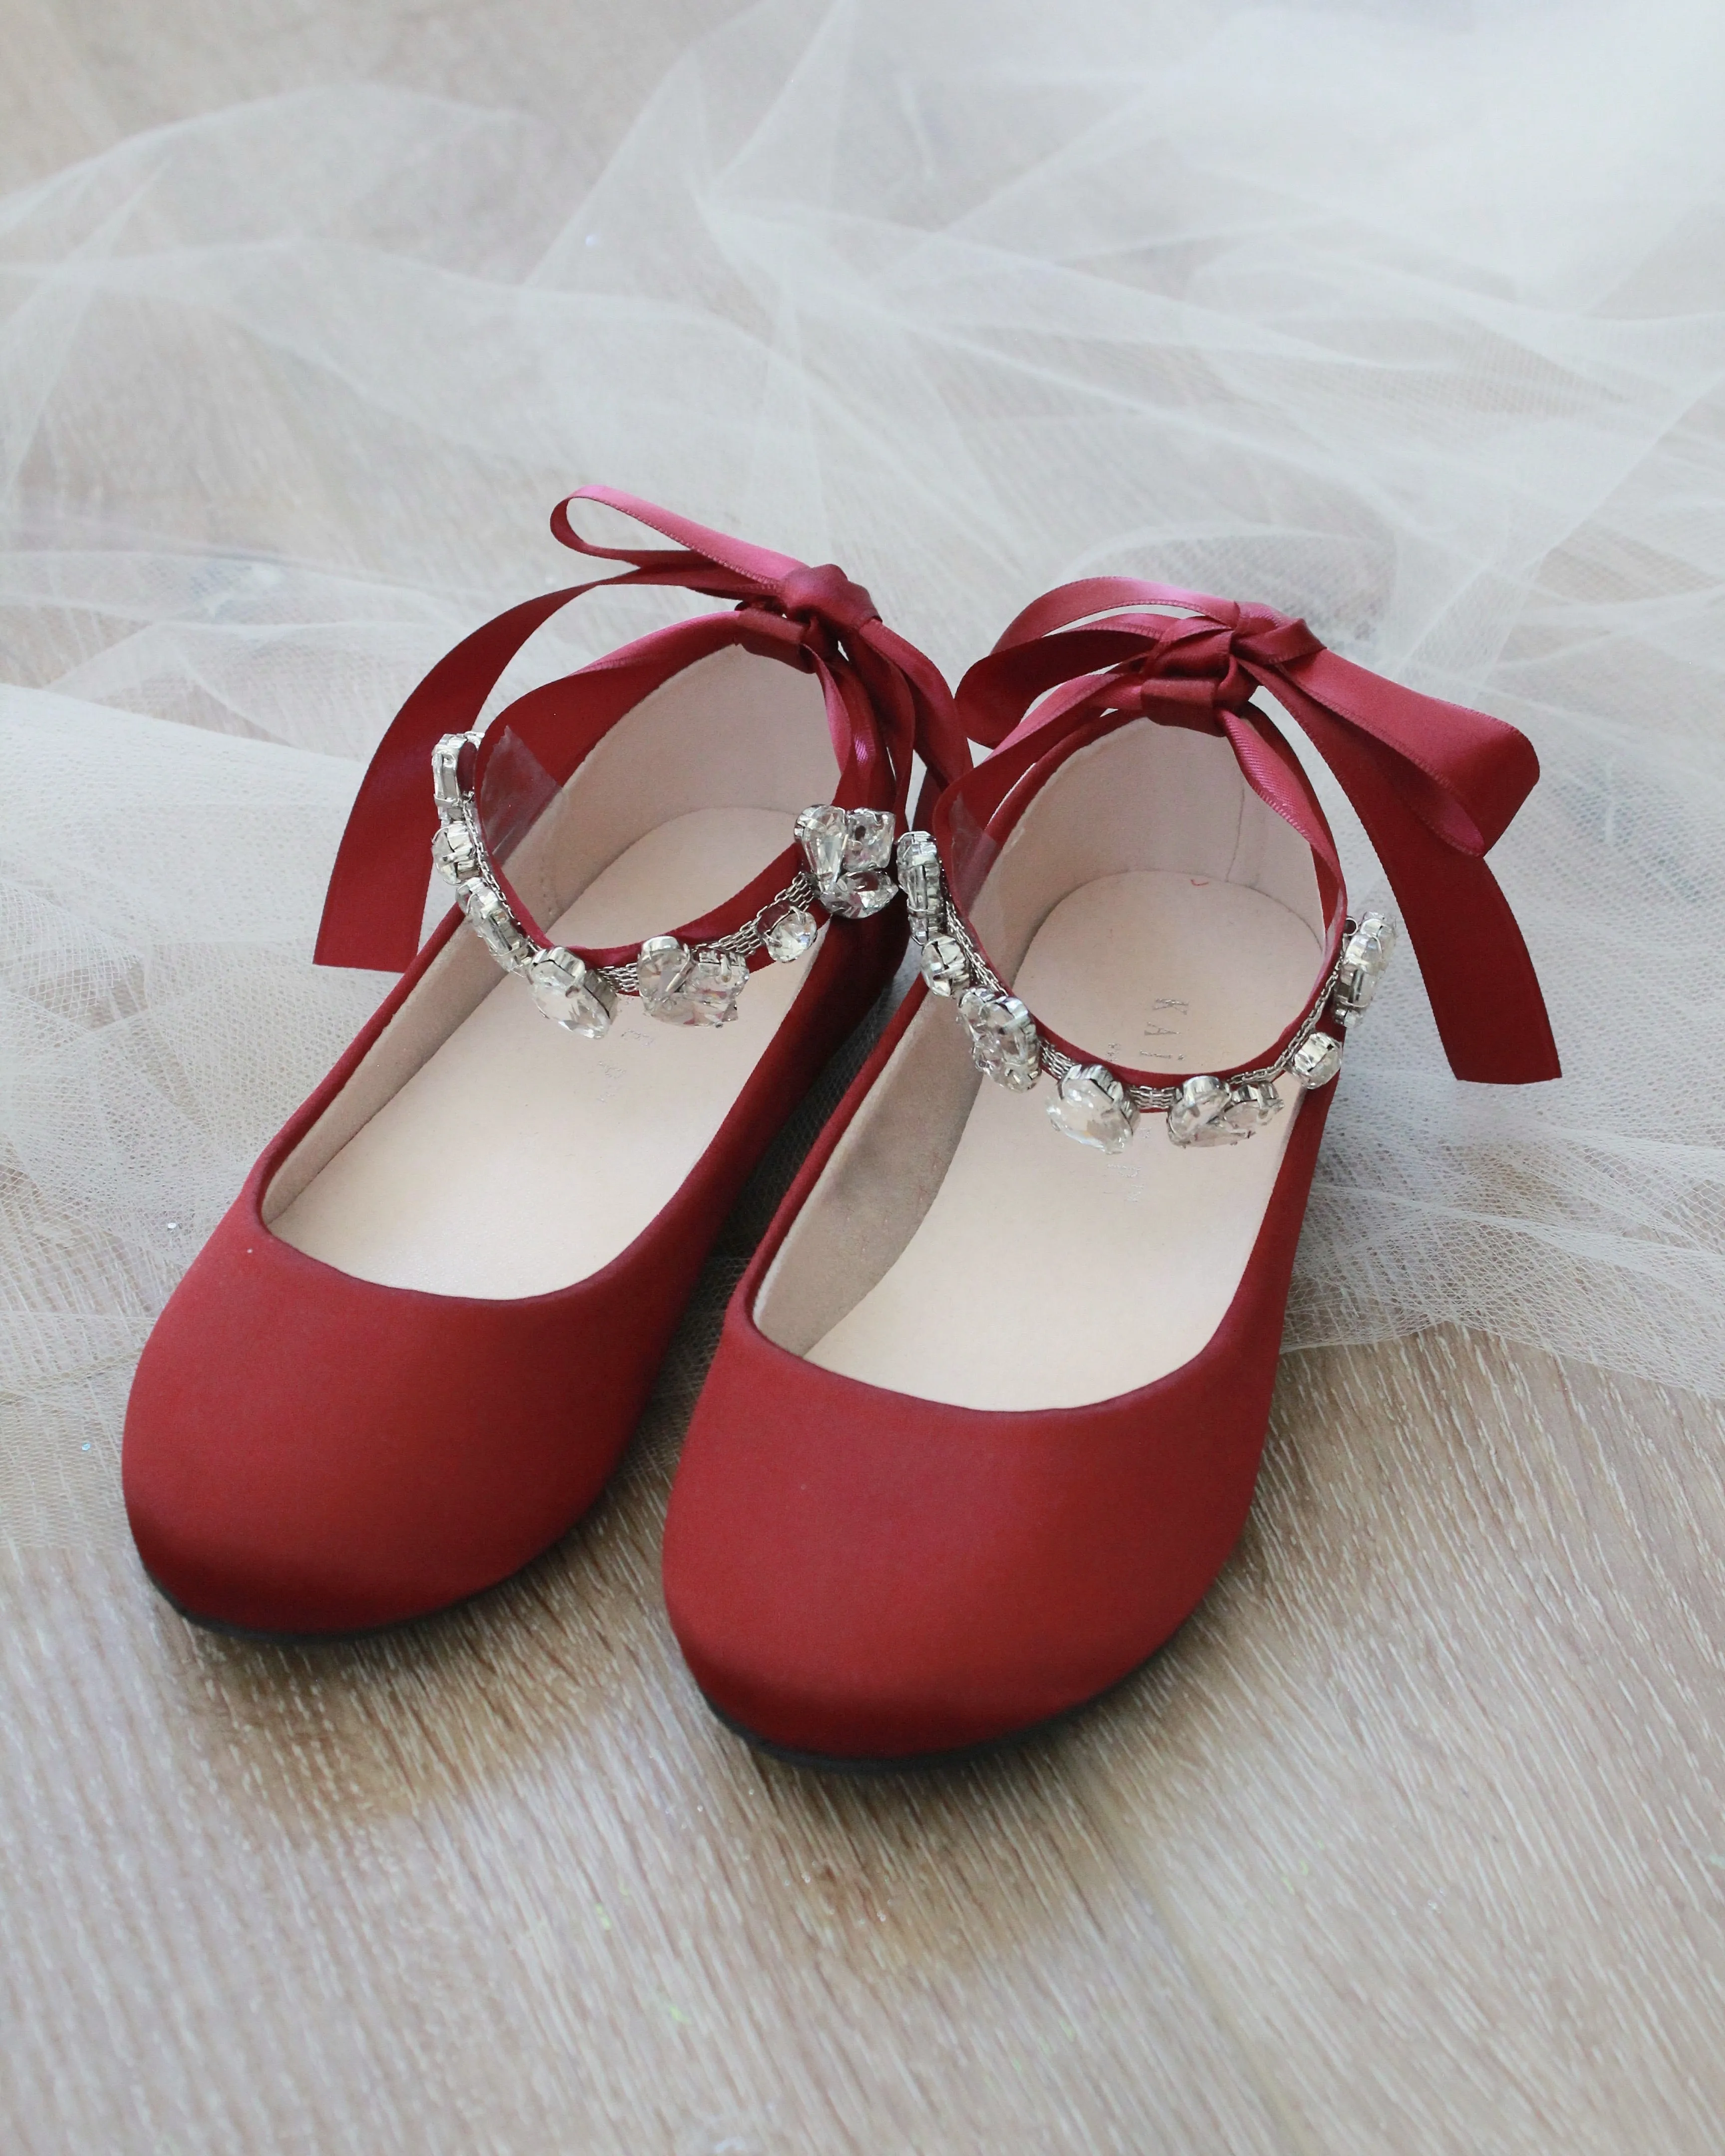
{"x":478,"y":1149}
{"x":956,"y":1248}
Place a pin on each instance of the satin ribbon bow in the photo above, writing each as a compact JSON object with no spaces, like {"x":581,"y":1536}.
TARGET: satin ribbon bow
{"x":1434,"y":784}
{"x":814,"y":616}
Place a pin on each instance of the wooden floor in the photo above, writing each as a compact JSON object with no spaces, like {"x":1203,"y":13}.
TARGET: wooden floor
{"x":1413,"y":1841}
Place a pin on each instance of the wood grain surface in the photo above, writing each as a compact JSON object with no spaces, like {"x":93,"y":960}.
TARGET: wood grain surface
{"x":1412,"y":1840}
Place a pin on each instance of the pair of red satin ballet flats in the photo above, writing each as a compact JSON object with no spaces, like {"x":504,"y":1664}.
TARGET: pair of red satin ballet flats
{"x":988,"y":1408}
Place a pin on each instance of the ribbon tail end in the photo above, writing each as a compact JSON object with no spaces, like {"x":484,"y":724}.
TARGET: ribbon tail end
{"x":1486,"y":999}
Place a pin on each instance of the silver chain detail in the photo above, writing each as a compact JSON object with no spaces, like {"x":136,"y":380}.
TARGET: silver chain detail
{"x":464,"y":858}
{"x":955,"y":926}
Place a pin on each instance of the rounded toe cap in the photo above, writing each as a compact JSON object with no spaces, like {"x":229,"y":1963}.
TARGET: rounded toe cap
{"x":306,"y":1453}
{"x":827,"y":1631}
{"x":856,"y":1574}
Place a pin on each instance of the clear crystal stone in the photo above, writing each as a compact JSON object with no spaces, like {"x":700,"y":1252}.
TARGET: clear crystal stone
{"x":919,"y":878}
{"x":489,"y":915}
{"x":788,"y":935}
{"x":1251,"y":1104}
{"x":945,"y":967}
{"x":1365,"y":956}
{"x":689,"y":988}
{"x":1195,"y":1118}
{"x":1373,"y":942}
{"x":447,"y":781}
{"x":715,"y":979}
{"x":1003,"y":1044}
{"x":571,"y":994}
{"x":823,"y":832}
{"x":1094,"y":1109}
{"x":848,"y":852}
{"x":455,"y":853}
{"x":855,"y":897}
{"x":661,"y":970}
{"x":1356,"y":984}
{"x":868,"y":843}
{"x":1316,"y":1060}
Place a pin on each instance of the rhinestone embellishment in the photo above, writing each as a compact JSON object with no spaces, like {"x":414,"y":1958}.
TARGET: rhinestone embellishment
{"x":870,"y":844}
{"x":945,"y":967}
{"x":822,"y":831}
{"x":848,"y":850}
{"x":661,"y":969}
{"x":1251,"y":1104}
{"x":1215,"y":1112}
{"x":1364,"y":956}
{"x":1003,"y":1042}
{"x":715,"y":980}
{"x":855,"y":897}
{"x":1094,"y":1109}
{"x":489,"y":916}
{"x":788,"y":934}
{"x":571,"y":994}
{"x":451,"y":761}
{"x":919,"y":878}
{"x":681,"y":987}
{"x":455,"y":853}
{"x":1316,"y":1060}
{"x":1195,"y":1116}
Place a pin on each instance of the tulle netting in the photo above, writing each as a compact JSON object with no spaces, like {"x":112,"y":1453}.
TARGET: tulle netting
{"x":1405,"y":319}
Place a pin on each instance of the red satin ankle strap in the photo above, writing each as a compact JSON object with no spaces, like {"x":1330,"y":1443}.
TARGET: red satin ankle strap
{"x":884,"y":701}
{"x":1434,"y":784}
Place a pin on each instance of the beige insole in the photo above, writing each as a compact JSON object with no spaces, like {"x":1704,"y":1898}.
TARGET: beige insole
{"x":520,"y":1158}
{"x":1044,"y":1275}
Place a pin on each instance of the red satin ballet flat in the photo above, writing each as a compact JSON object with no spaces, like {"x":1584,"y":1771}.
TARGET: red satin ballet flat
{"x":410,"y":1354}
{"x":988,"y":1408}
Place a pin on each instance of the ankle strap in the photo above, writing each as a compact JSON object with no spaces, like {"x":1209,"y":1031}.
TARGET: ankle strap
{"x":1434,"y":784}
{"x":884,"y":701}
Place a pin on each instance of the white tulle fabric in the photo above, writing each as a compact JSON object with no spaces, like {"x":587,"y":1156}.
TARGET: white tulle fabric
{"x":1408,"y":318}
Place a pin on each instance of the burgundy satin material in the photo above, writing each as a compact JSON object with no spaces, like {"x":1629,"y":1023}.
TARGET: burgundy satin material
{"x":307,"y":1452}
{"x":310,"y":1452}
{"x":857,"y":1573}
{"x":883,"y":700}
{"x":1435,"y":783}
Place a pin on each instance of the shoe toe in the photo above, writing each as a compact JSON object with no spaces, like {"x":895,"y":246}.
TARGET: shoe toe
{"x":308,"y":1453}
{"x":854,"y":1573}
